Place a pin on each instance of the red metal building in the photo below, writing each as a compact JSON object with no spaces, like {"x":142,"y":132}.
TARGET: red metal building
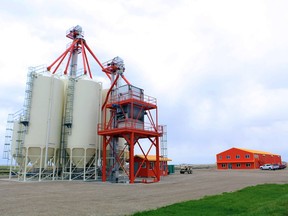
{"x":238,"y":158}
{"x":147,"y":169}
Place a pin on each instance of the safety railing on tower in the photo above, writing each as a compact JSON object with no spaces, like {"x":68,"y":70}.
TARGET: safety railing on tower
{"x":128,"y":93}
{"x":131,"y":124}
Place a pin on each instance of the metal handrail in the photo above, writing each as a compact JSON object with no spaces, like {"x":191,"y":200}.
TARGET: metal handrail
{"x":134,"y":96}
{"x":131,"y":124}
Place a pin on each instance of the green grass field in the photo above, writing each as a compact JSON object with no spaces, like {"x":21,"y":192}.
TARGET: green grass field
{"x":260,"y":200}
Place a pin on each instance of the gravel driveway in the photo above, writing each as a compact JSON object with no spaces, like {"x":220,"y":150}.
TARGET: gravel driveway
{"x":97,"y":198}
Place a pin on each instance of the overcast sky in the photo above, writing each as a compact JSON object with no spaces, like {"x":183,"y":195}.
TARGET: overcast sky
{"x":217,"y":68}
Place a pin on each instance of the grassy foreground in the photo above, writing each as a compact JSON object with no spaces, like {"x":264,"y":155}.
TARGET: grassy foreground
{"x":267,"y":199}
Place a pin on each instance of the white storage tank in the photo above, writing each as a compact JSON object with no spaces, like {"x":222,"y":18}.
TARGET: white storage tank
{"x":83,"y":139}
{"x":44,"y":128}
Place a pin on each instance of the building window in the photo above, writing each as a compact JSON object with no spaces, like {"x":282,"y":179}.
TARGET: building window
{"x":143,"y":165}
{"x":238,"y":165}
{"x":248,"y":164}
{"x":151,"y":166}
{"x":247,"y":156}
{"x":220,"y":157}
{"x":223,"y":165}
{"x":237,"y":156}
{"x":228,"y":157}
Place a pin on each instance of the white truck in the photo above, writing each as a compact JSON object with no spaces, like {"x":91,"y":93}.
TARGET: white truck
{"x":269,"y":167}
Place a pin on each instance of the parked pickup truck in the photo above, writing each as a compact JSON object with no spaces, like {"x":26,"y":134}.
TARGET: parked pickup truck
{"x":269,"y":167}
{"x":184,"y":169}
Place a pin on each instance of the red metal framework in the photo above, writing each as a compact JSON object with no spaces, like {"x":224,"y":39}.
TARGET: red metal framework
{"x":78,"y":46}
{"x":124,"y":112}
{"x":138,"y":112}
{"x":130,"y":105}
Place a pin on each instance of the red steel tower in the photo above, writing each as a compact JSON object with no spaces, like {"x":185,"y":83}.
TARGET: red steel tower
{"x":130,"y":114}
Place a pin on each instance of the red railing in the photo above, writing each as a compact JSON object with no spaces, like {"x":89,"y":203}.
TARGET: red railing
{"x":131,"y":124}
{"x":134,"y":96}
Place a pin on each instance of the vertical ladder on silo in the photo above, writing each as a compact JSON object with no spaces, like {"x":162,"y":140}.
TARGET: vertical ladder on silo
{"x":20,"y":141}
{"x":19,"y":156}
{"x":67,"y":124}
{"x":69,"y":103}
{"x":25,"y":115}
{"x":28,"y":97}
{"x":8,"y":137}
{"x":24,"y":118}
{"x":68,"y":119}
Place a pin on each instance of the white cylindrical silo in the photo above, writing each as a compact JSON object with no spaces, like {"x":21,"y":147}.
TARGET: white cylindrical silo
{"x":44,"y":129}
{"x":82,"y":141}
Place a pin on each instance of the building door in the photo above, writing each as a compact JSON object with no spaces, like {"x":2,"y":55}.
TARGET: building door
{"x":229,"y":166}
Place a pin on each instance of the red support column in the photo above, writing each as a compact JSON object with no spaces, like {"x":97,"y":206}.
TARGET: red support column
{"x":62,"y":56}
{"x":104,"y":159}
{"x":157,"y":159}
{"x":83,"y":57}
{"x":131,"y":159}
{"x":96,"y":59}
{"x":124,"y":78}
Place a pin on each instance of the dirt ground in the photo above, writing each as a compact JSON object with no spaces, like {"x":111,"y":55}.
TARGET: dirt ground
{"x":97,"y":198}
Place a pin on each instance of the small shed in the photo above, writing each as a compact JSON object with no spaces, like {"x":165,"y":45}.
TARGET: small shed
{"x":239,"y":158}
{"x":147,"y":164}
